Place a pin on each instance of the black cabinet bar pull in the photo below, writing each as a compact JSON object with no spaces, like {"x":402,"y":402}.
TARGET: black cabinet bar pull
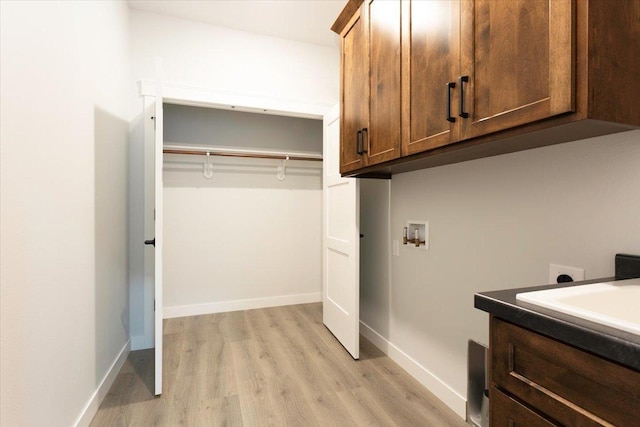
{"x":359,"y":141}
{"x":150,"y":242}
{"x":450,"y":85}
{"x":365,"y":142}
{"x":463,"y":80}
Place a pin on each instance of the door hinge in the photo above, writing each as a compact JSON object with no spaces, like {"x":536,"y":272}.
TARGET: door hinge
{"x":154,"y":121}
{"x":154,"y":305}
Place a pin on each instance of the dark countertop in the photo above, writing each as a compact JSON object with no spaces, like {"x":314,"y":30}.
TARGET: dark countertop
{"x":618,"y":346}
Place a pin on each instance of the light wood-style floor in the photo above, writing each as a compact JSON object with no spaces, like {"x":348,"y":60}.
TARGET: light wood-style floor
{"x":267,"y":367}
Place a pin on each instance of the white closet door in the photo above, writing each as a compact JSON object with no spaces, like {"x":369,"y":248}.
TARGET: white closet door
{"x":341,"y":243}
{"x":153,"y":230}
{"x":153,"y":215}
{"x":158,"y":240}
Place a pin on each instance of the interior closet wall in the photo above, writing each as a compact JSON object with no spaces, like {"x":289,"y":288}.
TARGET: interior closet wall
{"x":243,"y":238}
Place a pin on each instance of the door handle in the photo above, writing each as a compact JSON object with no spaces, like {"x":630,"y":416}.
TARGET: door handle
{"x":365,"y":131}
{"x":463,"y":80}
{"x":450,"y":85}
{"x":151,"y":242}
{"x":359,"y":141}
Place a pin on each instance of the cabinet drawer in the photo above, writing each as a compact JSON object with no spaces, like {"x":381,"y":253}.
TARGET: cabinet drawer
{"x":506,"y":412}
{"x":572,"y":386}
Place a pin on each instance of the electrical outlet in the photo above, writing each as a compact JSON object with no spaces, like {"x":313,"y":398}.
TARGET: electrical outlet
{"x":556,"y":270}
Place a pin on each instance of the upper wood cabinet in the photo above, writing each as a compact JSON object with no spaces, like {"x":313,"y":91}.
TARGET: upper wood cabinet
{"x":518,"y":59}
{"x":354,"y":115}
{"x":430,"y":69}
{"x":370,"y":80}
{"x":477,"y":78}
{"x":476,"y":67}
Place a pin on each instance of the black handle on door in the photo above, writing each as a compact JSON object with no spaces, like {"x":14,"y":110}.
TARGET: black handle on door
{"x":463,"y":80}
{"x":365,"y":142}
{"x":450,"y":85}
{"x":151,"y":242}
{"x":359,"y":141}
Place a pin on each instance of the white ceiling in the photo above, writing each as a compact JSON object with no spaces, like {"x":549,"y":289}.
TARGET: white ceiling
{"x":302,"y":20}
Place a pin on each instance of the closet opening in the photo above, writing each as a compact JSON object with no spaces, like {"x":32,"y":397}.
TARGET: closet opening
{"x":243,"y":224}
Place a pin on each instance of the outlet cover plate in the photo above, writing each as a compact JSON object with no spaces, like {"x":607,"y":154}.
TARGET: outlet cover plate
{"x":555,"y":270}
{"x":396,"y":248}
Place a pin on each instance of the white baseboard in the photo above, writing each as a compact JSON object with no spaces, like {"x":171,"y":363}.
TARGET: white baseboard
{"x":242,"y":304}
{"x":434,"y":384}
{"x":90,"y":409}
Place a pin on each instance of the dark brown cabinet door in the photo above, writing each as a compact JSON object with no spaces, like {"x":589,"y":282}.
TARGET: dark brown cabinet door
{"x":355,"y":92}
{"x":382,"y":138}
{"x":430,"y":60}
{"x":518,"y":56}
{"x":506,"y":412}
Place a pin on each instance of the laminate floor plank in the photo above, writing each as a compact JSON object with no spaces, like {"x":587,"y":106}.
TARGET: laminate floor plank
{"x":224,"y":411}
{"x":364,"y":408}
{"x":252,"y":369}
{"x":266,"y":367}
{"x":234,"y":326}
{"x":172,"y":355}
{"x":173,"y":326}
{"x":149,"y":413}
{"x":434,"y":410}
{"x":328,"y":408}
{"x":301,"y":351}
{"x":387,"y":396}
{"x":290,"y":403}
{"x":194,"y":357}
{"x":332,"y":359}
{"x":258,"y":406}
{"x":263,"y":325}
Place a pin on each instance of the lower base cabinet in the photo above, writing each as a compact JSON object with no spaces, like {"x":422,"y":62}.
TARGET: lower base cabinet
{"x":539,"y":381}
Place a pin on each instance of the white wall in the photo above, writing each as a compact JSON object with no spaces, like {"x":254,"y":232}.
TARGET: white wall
{"x":63,"y":265}
{"x":242,"y":238}
{"x":217,"y":60}
{"x":497,"y":223}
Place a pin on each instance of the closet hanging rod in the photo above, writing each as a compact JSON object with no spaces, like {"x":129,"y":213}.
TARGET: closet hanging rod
{"x":202,"y":151}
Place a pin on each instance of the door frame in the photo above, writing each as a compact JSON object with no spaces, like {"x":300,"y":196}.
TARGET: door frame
{"x":204,"y":97}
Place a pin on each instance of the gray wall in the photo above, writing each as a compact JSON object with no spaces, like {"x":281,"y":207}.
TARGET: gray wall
{"x":227,"y":128}
{"x":497,"y":223}
{"x":375,"y":252}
